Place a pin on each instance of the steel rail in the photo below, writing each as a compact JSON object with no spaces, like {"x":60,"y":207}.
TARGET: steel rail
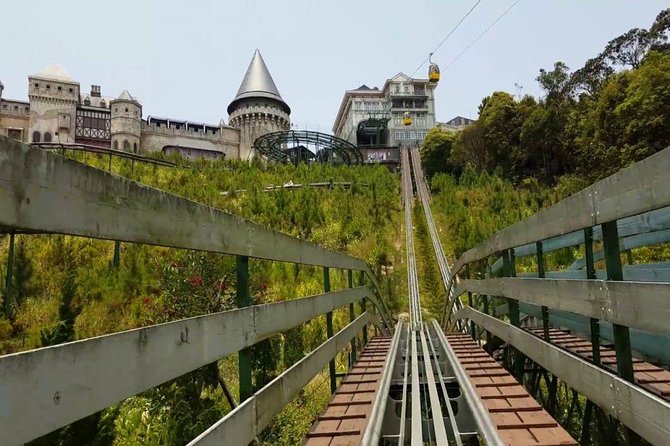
{"x":373,"y":429}
{"x":405,"y":383}
{"x":436,"y":410}
{"x":450,"y":411}
{"x":424,"y":196}
{"x":485,"y":425}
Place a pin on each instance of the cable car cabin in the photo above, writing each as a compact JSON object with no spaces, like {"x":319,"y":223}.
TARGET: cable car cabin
{"x":406,"y":119}
{"x":434,"y":73}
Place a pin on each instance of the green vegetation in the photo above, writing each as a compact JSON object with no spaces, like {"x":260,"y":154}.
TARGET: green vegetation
{"x":591,"y":122}
{"x":66,"y":288}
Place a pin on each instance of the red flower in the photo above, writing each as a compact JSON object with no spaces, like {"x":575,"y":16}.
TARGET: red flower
{"x":196,"y":281}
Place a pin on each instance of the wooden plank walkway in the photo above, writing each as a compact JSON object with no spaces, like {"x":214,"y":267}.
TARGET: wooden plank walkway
{"x":520,"y":420}
{"x":653,"y":378}
{"x":344,"y":420}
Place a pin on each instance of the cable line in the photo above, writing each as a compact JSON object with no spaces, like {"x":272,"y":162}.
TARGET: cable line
{"x":482,"y":34}
{"x":447,"y":36}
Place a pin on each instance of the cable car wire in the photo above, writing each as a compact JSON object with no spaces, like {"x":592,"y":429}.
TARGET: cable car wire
{"x":447,"y":36}
{"x":482,"y":34}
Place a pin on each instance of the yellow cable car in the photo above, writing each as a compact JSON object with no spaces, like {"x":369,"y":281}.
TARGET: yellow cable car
{"x":433,"y":71}
{"x":406,"y":119}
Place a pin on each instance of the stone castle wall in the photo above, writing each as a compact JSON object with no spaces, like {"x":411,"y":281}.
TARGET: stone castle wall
{"x":226,"y":140}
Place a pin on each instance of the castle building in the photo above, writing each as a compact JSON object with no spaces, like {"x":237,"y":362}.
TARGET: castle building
{"x":58,"y":112}
{"x":370,"y":117}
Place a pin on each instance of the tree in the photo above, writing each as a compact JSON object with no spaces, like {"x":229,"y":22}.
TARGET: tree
{"x":556,"y":83}
{"x":436,"y":152}
{"x":629,"y":49}
{"x":591,"y":76}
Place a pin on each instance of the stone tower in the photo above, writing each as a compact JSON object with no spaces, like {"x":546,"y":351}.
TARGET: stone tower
{"x":258,"y":107}
{"x":126,"y":123}
{"x":54,"y":97}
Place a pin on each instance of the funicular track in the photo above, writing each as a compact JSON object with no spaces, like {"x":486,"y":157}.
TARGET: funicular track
{"x":447,"y":389}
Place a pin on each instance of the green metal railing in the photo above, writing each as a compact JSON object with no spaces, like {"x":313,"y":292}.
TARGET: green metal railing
{"x":47,"y":388}
{"x":633,"y":202}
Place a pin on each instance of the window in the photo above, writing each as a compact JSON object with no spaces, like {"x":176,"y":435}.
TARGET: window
{"x":14,"y":134}
{"x":126,"y":145}
{"x":16,"y":108}
{"x":421,"y":135}
{"x":126,"y":109}
{"x":60,"y":88}
{"x":71,"y":90}
{"x":116,"y":145}
{"x":27,"y":109}
{"x":135,"y":147}
{"x":37,"y":85}
{"x":47,"y":137}
{"x":48,"y":87}
{"x":411,"y":135}
{"x":4,"y":106}
{"x":36,"y":137}
{"x":421,"y":120}
{"x":397,"y":135}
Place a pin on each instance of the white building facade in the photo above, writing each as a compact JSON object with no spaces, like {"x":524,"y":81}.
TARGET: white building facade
{"x":364,"y":108}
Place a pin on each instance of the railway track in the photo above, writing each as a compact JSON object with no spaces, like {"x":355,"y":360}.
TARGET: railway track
{"x":428,"y":387}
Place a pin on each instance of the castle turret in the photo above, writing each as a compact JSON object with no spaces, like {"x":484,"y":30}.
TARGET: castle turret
{"x":54,"y":96}
{"x":258,"y":107}
{"x":126,"y":123}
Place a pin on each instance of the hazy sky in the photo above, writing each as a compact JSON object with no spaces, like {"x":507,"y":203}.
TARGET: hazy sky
{"x":186,"y":59}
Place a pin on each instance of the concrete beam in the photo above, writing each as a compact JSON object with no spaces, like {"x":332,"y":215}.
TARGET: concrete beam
{"x":44,"y":192}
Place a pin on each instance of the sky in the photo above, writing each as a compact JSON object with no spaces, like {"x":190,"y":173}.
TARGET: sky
{"x":186,"y":59}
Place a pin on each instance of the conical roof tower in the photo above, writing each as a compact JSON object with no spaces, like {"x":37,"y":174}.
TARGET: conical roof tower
{"x":258,"y":108}
{"x":258,"y":83}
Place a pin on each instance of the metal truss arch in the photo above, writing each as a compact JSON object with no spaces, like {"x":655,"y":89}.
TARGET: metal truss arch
{"x":294,"y":146}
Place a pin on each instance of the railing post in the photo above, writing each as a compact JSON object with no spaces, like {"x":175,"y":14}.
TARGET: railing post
{"x":365,"y":328}
{"x":244,"y":300}
{"x":329,"y":330}
{"x":116,"y":261}
{"x":470,"y":303}
{"x":514,"y":314}
{"x":352,"y":317}
{"x":485,"y":302}
{"x":615,"y":272}
{"x":541,"y":274}
{"x":8,"y":278}
{"x":624,"y":355}
{"x":591,"y":274}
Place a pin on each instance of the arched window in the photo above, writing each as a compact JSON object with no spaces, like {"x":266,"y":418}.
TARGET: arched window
{"x":126,"y":145}
{"x":116,"y":145}
{"x":36,"y":136}
{"x":135,"y":147}
{"x":47,"y":137}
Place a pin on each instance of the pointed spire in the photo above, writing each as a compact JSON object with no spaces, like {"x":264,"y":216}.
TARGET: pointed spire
{"x":257,"y":83}
{"x":54,"y":72}
{"x":126,"y":96}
